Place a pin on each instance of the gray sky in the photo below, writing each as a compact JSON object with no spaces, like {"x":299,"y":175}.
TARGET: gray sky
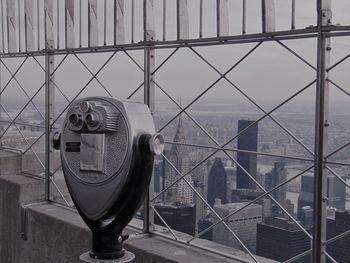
{"x":269,"y":73}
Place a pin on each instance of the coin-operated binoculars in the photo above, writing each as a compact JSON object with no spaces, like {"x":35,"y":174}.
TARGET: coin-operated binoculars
{"x":107,"y":152}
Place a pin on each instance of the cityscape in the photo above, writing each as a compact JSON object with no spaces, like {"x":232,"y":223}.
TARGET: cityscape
{"x":267,"y":226}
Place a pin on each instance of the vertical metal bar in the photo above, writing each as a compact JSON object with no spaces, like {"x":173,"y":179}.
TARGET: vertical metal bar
{"x":244,"y":16}
{"x":321,"y":132}
{"x":49,"y":92}
{"x":268,"y":16}
{"x":29,"y":25}
{"x":2,"y":26}
{"x":93,"y":25}
{"x":164,"y":20}
{"x":58,"y":23}
{"x":49,"y":29}
{"x":201,"y":19}
{"x":132,"y":21}
{"x":38,"y":21}
{"x":149,"y":91}
{"x":222,"y":18}
{"x":0,"y":99}
{"x":19,"y":25}
{"x":182,"y":20}
{"x":11,"y":26}
{"x":293,"y":15}
{"x":105,"y":23}
{"x":80,"y":23}
{"x":119,"y":30}
{"x":69,"y":24}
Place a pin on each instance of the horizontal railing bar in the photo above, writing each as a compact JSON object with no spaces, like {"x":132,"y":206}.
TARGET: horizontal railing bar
{"x":104,"y":49}
{"x":242,"y":151}
{"x":337,"y":163}
{"x":237,"y":39}
{"x":257,"y":37}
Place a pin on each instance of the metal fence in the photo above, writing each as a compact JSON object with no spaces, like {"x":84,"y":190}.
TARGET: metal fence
{"x":118,"y":41}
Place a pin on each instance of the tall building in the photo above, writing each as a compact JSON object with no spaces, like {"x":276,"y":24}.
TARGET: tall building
{"x":335,"y":192}
{"x":217,"y":183}
{"x":178,"y":156}
{"x":247,"y":141}
{"x":243,"y":224}
{"x":339,"y":249}
{"x":281,"y":239}
{"x":158,"y":174}
{"x":205,"y":223}
{"x":246,"y":195}
{"x":277,"y":176}
{"x":180,"y":217}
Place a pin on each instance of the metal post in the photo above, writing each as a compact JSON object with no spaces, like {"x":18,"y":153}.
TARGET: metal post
{"x":149,"y":92}
{"x":132,"y":21}
{"x":293,"y":15}
{"x":49,"y":92}
{"x":244,"y":16}
{"x":321,"y":132}
{"x":0,"y":104}
{"x":19,"y":25}
{"x":201,"y":19}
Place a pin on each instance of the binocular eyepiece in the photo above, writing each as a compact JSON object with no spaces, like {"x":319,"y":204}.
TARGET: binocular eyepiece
{"x":107,"y":152}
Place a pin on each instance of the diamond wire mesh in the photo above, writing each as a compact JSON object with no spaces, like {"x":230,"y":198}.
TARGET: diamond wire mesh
{"x":181,"y":176}
{"x":336,"y":161}
{"x":219,"y":147}
{"x":16,"y":120}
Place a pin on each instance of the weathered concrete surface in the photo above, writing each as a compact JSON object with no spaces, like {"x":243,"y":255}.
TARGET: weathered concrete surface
{"x":54,"y":234}
{"x":10,"y":162}
{"x":15,"y":190}
{"x":57,"y":234}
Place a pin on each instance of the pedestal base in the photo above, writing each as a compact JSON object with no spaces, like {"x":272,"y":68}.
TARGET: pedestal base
{"x":128,"y":257}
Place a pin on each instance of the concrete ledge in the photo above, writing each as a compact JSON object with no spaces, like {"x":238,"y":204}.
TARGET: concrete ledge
{"x":57,"y":234}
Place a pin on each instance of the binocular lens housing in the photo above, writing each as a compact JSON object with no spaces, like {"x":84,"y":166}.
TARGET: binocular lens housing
{"x":93,"y":120}
{"x":75,"y":119}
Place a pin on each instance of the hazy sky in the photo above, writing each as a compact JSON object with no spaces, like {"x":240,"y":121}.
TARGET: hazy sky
{"x":271,"y":72}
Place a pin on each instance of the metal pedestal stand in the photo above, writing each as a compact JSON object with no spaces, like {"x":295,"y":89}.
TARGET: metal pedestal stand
{"x":128,"y":257}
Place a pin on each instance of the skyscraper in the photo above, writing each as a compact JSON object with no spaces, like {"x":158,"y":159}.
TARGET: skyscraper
{"x":281,"y":239}
{"x":339,"y":249}
{"x":178,"y":156}
{"x":277,"y":176}
{"x":217,"y":183}
{"x":243,"y":224}
{"x":180,"y":217}
{"x":335,"y":192}
{"x":247,"y":141}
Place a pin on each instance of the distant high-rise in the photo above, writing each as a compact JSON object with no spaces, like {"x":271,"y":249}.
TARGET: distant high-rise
{"x":158,"y":174}
{"x":243,"y":224}
{"x":217,"y":183}
{"x":178,"y":156}
{"x":281,"y":239}
{"x":335,"y":193}
{"x":339,"y":249}
{"x":180,"y":217}
{"x":247,"y":141}
{"x":277,"y":176}
{"x":205,"y":223}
